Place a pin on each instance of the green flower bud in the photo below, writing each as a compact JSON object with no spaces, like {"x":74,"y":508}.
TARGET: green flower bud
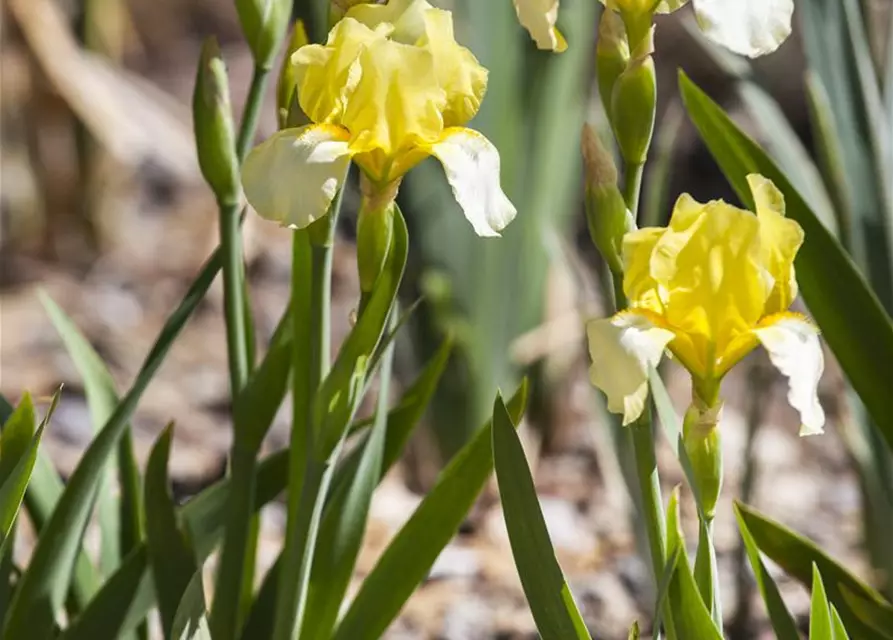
{"x":611,"y":55}
{"x":375,"y":230}
{"x":606,"y":213}
{"x":264,"y":23}
{"x":288,"y":111}
{"x":634,"y":104}
{"x":215,"y":137}
{"x":700,"y":437}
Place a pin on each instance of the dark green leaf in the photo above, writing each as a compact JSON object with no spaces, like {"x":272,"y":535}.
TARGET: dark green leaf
{"x":782,"y":623}
{"x":44,"y":584}
{"x":852,"y":320}
{"x":796,"y":555}
{"x":170,"y":555}
{"x":190,"y":621}
{"x":548,"y":594}
{"x":412,"y":552}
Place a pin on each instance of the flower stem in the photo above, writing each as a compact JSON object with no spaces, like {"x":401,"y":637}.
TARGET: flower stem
{"x":236,"y":574}
{"x":252,"y":111}
{"x":632,"y":187}
{"x":309,"y":477}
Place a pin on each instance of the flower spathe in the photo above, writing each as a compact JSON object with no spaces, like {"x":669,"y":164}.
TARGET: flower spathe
{"x":748,"y":27}
{"x":713,"y":285}
{"x":389,"y":88}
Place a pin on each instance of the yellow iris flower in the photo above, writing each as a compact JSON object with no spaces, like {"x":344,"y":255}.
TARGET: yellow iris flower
{"x":747,"y":27}
{"x":390,"y":87}
{"x":710,"y":287}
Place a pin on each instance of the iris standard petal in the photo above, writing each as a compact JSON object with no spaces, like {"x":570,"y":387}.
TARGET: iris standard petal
{"x":622,"y":349}
{"x":794,"y":349}
{"x":780,"y":239}
{"x":471,"y":164}
{"x":748,"y":27}
{"x":539,"y":18}
{"x":292,"y":177}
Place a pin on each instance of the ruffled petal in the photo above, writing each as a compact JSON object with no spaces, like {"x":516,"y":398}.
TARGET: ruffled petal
{"x":292,"y":177}
{"x":794,"y":349}
{"x":539,"y":17}
{"x":748,"y":27}
{"x":471,"y":164}
{"x":780,"y":239}
{"x":622,"y":349}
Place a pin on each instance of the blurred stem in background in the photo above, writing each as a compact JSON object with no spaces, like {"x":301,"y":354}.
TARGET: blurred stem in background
{"x":487,"y":293}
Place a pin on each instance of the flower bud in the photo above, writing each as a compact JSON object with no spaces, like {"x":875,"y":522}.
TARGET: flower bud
{"x":611,"y":55}
{"x":634,"y":104}
{"x":264,"y":23}
{"x":606,"y":213}
{"x":700,"y":437}
{"x":340,"y":7}
{"x":288,"y":111}
{"x":213,"y":123}
{"x":375,"y":230}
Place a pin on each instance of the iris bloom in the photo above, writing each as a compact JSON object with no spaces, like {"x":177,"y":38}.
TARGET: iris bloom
{"x":710,"y":287}
{"x":389,"y":88}
{"x":748,"y":27}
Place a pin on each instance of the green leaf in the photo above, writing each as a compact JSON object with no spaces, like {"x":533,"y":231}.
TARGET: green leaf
{"x":840,"y":632}
{"x":871,"y":619}
{"x":633,"y":632}
{"x":705,"y":572}
{"x":691,"y":617}
{"x":663,"y":588}
{"x":852,"y":320}
{"x":191,"y":620}
{"x":412,"y":552}
{"x":548,"y":594}
{"x":12,"y":490}
{"x":819,"y":610}
{"x":782,"y":622}
{"x":120,"y":521}
{"x":170,"y":555}
{"x":344,"y":520}
{"x":43,"y":585}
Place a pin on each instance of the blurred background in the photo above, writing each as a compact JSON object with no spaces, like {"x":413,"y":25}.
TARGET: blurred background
{"x":104,"y":209}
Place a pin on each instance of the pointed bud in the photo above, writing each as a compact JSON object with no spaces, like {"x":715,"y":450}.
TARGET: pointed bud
{"x":213,"y":123}
{"x":611,"y":55}
{"x":700,"y":436}
{"x":375,"y":230}
{"x":634,"y":103}
{"x":606,"y":212}
{"x":264,"y":23}
{"x":288,"y":111}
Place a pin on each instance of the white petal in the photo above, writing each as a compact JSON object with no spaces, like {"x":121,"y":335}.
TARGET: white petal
{"x":749,"y":27}
{"x":292,"y":177}
{"x":622,"y":349}
{"x":794,"y":349}
{"x":539,"y":17}
{"x":471,"y":163}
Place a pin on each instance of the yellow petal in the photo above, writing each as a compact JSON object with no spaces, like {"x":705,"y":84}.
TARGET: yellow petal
{"x":794,"y":349}
{"x":638,"y":284}
{"x":292,"y":177}
{"x":748,"y":27}
{"x":644,"y":6}
{"x":458,"y":72}
{"x":471,"y":164}
{"x":397,"y":102}
{"x":539,"y":18}
{"x":326,"y":75}
{"x":780,"y":239}
{"x":622,"y":349}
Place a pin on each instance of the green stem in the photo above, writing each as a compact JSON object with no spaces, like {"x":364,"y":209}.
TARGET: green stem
{"x":309,"y":477}
{"x":252,"y":111}
{"x":236,"y":574}
{"x":632,"y":187}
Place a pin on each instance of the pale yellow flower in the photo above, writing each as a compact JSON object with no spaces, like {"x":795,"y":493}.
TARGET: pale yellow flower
{"x":748,"y":27}
{"x":710,"y":287}
{"x":389,"y":88}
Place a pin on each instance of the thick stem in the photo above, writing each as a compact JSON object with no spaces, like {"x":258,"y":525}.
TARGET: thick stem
{"x":632,"y":187}
{"x":233,"y":297}
{"x":309,"y":477}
